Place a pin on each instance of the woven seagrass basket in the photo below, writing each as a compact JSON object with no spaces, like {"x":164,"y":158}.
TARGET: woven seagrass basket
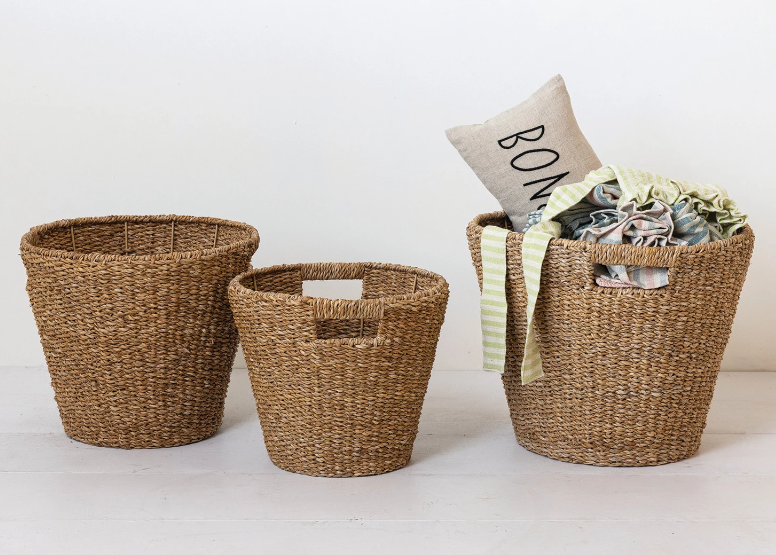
{"x":629,"y":373}
{"x":339,"y":384}
{"x":134,"y":320}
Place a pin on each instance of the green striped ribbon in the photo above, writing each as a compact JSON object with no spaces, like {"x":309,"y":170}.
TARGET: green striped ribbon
{"x":493,"y":302}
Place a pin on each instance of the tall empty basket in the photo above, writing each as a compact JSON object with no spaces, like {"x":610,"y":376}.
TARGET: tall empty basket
{"x":135,"y":323}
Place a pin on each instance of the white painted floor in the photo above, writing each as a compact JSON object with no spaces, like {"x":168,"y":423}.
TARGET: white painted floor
{"x":468,"y":489}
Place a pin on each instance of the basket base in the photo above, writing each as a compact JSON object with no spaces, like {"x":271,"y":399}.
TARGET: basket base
{"x":333,"y":470}
{"x":141,"y":441}
{"x":655,"y":456}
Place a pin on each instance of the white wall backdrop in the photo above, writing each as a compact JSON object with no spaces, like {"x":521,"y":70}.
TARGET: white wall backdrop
{"x":322,"y":124}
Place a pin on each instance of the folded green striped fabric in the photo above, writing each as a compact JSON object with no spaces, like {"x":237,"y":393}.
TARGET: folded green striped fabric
{"x":493,"y":302}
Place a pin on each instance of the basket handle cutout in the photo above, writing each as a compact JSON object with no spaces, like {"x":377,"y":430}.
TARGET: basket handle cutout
{"x":601,"y":254}
{"x":659,"y":280}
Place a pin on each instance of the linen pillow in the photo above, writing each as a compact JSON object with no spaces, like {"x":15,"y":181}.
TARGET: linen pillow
{"x":522,"y":154}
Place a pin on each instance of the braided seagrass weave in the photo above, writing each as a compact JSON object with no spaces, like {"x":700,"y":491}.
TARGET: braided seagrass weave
{"x":339,"y":384}
{"x":629,"y":373}
{"x":135,"y":323}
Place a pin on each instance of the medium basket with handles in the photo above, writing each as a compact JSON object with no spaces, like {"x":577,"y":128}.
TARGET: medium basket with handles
{"x":135,"y":323}
{"x":339,"y":384}
{"x":629,"y":373}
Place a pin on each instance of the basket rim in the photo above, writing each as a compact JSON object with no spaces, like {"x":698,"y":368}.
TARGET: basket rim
{"x":237,"y":287}
{"x":475,"y":227}
{"x":27,"y":247}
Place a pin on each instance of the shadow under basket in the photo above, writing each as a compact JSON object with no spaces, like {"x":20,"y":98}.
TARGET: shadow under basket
{"x":629,"y":373}
{"x":339,"y":384}
{"x":135,"y":323}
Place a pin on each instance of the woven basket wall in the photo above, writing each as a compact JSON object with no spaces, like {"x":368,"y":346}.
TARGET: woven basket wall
{"x":629,"y":373}
{"x":135,"y":323}
{"x":339,"y":384}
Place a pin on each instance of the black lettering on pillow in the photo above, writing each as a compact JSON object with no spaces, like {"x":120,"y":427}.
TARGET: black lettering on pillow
{"x":533,"y":134}
{"x":552,"y":181}
{"x":534,"y":168}
{"x":511,"y":141}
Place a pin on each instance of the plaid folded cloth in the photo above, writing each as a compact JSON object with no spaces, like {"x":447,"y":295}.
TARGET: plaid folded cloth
{"x":690,"y":227}
{"x":652,"y":227}
{"x":709,"y":202}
